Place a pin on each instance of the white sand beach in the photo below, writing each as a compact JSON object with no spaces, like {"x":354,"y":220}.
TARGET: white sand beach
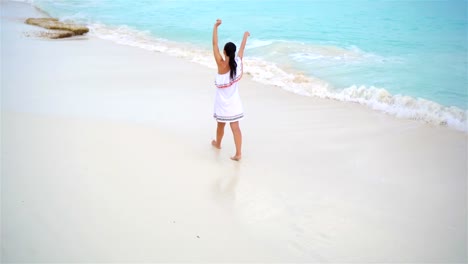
{"x":106,"y":157}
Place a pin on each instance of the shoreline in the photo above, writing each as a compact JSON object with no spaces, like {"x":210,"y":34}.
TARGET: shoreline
{"x":106,"y":156}
{"x":372,"y":98}
{"x":296,"y":81}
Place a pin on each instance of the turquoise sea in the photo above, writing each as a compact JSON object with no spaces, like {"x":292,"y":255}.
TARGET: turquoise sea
{"x":407,"y":58}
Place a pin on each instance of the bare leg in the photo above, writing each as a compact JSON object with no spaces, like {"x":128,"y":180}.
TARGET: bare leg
{"x":219,"y":135}
{"x":237,"y":140}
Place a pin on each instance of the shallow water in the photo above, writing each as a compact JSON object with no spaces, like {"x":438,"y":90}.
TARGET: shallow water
{"x":406,"y":58}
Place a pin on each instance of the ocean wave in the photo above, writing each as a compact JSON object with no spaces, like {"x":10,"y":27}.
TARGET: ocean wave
{"x":270,"y":73}
{"x":143,"y":39}
{"x":403,"y":106}
{"x":307,"y":52}
{"x":79,"y":17}
{"x":257,"y":43}
{"x":31,"y":2}
{"x":379,"y":99}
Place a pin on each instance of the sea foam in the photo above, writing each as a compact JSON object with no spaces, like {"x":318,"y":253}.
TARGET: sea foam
{"x":270,"y":73}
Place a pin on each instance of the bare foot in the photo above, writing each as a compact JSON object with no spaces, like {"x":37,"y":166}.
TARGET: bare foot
{"x":214,"y":144}
{"x":236,"y":157}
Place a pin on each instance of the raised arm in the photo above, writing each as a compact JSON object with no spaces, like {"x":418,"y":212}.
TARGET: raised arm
{"x":242,"y":47}
{"x":216,"y":53}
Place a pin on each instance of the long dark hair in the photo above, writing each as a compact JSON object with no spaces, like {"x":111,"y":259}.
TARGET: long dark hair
{"x":230,"y":49}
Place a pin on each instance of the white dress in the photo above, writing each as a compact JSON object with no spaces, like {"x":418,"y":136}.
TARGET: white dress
{"x":228,"y":106}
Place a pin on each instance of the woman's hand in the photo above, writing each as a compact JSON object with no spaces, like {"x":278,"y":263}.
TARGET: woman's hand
{"x":246,"y":34}
{"x":218,"y":22}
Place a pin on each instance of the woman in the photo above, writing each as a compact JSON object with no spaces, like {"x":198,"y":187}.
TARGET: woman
{"x":228,"y":106}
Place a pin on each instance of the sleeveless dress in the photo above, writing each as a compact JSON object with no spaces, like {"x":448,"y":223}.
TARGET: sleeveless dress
{"x":228,"y":106}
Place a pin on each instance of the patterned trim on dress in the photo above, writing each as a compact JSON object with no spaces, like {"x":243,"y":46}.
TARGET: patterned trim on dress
{"x":227,"y":85}
{"x":228,"y":118}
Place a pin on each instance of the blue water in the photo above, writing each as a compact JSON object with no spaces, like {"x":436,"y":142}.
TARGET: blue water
{"x":408,"y":58}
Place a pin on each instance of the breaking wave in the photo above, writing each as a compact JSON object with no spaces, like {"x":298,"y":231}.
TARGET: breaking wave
{"x":267,"y":72}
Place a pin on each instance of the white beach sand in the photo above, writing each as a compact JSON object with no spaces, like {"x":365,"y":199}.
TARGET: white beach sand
{"x":106,"y":157}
